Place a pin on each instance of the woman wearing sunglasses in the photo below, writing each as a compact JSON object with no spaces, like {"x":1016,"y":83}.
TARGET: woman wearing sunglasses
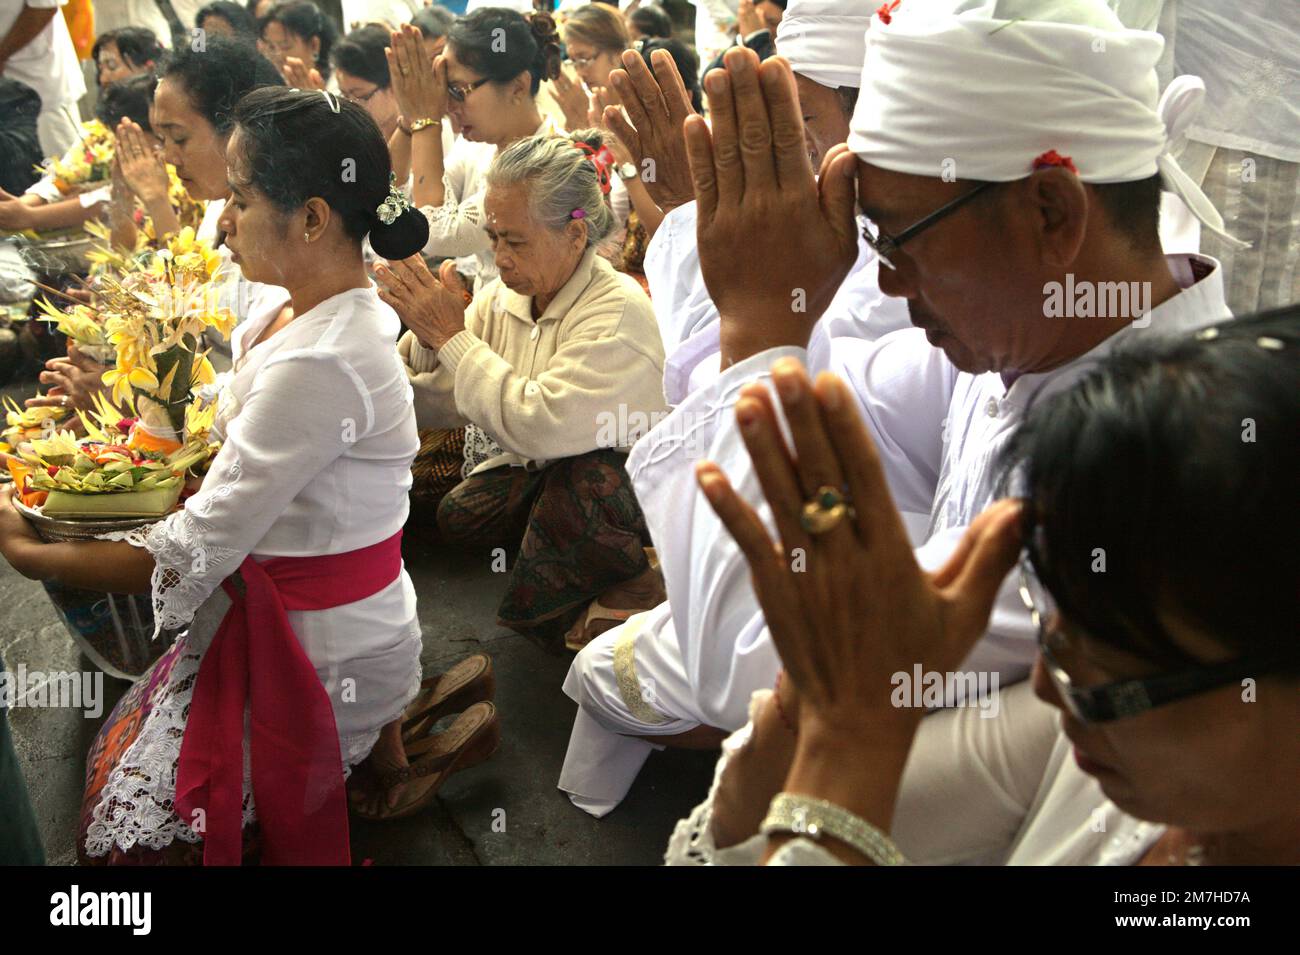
{"x":486,"y":83}
{"x":1158,"y":726}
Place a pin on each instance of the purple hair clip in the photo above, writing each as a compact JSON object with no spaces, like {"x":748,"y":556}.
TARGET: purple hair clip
{"x":578,"y":214}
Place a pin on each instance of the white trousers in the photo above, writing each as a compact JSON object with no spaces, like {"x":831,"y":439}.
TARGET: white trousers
{"x":628,"y":682}
{"x":58,"y":129}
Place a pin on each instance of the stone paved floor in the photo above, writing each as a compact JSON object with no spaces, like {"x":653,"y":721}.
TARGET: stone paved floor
{"x":458,"y":599}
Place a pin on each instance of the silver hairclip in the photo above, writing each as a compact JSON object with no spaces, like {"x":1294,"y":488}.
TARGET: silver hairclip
{"x":331,"y":99}
{"x":394,"y":205}
{"x":1269,"y":342}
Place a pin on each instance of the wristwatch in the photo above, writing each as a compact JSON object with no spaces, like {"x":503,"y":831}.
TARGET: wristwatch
{"x":626,"y":171}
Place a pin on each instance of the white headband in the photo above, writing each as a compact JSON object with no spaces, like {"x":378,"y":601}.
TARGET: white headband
{"x":823,"y":39}
{"x":969,"y":90}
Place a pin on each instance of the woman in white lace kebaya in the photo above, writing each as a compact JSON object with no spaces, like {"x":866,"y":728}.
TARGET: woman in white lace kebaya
{"x":1163,"y":732}
{"x":487,"y":80}
{"x":307,"y":494}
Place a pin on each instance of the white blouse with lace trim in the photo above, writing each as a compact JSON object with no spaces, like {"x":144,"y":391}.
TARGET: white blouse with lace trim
{"x":1003,"y":790}
{"x":319,"y":434}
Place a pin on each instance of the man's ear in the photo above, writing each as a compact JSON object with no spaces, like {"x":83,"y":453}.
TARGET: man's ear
{"x":1060,"y":205}
{"x":316,"y":217}
{"x":315,"y":48}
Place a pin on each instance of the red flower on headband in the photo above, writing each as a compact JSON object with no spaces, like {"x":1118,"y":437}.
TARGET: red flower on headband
{"x":885,"y":10}
{"x":1053,"y":158}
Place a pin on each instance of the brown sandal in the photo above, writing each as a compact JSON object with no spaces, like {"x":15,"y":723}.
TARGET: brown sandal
{"x":470,"y":740}
{"x":468,"y":682}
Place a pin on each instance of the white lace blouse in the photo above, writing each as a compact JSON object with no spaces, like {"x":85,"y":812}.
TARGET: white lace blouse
{"x":975,"y":791}
{"x":319,"y":431}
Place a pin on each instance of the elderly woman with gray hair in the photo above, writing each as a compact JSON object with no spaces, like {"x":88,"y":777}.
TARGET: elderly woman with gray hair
{"x":560,"y":362}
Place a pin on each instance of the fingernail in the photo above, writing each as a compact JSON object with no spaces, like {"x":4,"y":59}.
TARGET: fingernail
{"x":830,"y":391}
{"x":787,"y":384}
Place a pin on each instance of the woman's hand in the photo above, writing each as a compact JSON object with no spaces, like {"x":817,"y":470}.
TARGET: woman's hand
{"x":756,"y":772}
{"x":71,"y":382}
{"x":571,"y":96}
{"x":142,"y":167}
{"x":849,"y":607}
{"x":756,"y":191}
{"x":651,"y":131}
{"x":433,"y":308}
{"x":300,"y":76}
{"x":747,"y":19}
{"x":19,"y":543}
{"x":421,"y":92}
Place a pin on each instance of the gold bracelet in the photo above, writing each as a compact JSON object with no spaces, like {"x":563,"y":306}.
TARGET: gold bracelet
{"x":419,"y":124}
{"x":817,"y":818}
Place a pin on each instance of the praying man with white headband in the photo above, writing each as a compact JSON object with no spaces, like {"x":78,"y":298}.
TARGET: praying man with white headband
{"x":1009,"y":155}
{"x":824,"y":41}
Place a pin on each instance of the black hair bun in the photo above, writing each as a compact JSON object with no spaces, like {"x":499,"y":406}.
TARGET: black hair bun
{"x":407,"y":235}
{"x":546,"y":65}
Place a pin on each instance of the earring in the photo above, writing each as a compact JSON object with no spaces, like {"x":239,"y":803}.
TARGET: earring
{"x":306,"y":237}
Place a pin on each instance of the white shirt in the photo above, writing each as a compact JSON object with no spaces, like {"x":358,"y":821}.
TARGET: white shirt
{"x":115,"y":14}
{"x":938,"y":432}
{"x":393,"y":12}
{"x":689,"y":321}
{"x":974,"y":791}
{"x":48,"y":64}
{"x":1248,"y":53}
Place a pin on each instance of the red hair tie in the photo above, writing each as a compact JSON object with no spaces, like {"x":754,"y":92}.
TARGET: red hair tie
{"x":1053,"y":158}
{"x":602,"y":159}
{"x":886,"y":10}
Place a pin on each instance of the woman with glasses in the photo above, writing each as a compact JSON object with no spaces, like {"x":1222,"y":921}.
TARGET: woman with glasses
{"x":361,"y":69}
{"x":1158,"y":726}
{"x":595,"y":37}
{"x":486,"y":82}
{"x":296,"y":36}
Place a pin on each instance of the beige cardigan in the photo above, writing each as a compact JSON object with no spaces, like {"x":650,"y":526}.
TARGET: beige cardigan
{"x":587,"y":374}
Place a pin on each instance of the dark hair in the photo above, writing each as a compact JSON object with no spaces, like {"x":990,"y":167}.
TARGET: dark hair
{"x":304,"y":19}
{"x":240,"y":20}
{"x":848,"y":99}
{"x":298,"y":146}
{"x":652,"y":21}
{"x":523,"y":44}
{"x":1177,"y":458}
{"x":217,"y":77}
{"x":1133,"y":208}
{"x":778,"y":3}
{"x":361,"y":53}
{"x":688,"y":65}
{"x":434,"y":21}
{"x":129,"y":99}
{"x":598,"y":25}
{"x":137,"y":45}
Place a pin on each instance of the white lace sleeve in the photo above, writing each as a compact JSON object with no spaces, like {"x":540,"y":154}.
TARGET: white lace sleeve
{"x":456,"y":226}
{"x":692,"y":840}
{"x":294,"y":422}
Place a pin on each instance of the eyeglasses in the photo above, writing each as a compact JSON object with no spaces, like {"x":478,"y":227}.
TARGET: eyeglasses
{"x":883,"y":243}
{"x":582,"y":62}
{"x":458,"y":91}
{"x":1121,"y":698}
{"x":363,"y":100}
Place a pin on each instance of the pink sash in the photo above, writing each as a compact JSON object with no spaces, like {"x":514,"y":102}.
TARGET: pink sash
{"x":255,"y":658}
